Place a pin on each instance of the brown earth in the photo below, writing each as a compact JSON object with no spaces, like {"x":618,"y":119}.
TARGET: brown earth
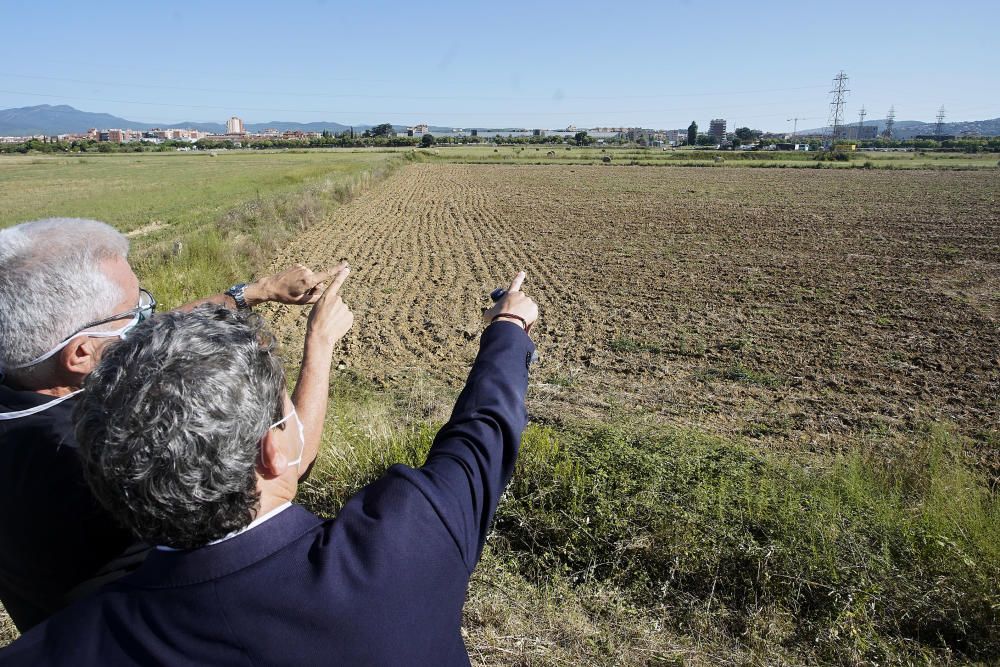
{"x":805,"y":310}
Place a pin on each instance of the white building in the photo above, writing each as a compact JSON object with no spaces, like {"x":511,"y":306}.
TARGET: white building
{"x":235,"y":126}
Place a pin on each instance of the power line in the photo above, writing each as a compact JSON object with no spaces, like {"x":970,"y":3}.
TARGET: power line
{"x":272,"y":93}
{"x":861,"y":121}
{"x":839,"y":93}
{"x":231,"y":107}
{"x":890,"y":120}
{"x":939,"y":126}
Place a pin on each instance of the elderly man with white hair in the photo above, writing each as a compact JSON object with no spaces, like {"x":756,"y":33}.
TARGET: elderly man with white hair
{"x":66,"y":292}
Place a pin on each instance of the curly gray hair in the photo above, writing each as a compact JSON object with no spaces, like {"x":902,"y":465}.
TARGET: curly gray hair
{"x":170,"y":425}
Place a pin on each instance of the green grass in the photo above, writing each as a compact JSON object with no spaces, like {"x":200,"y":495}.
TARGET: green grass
{"x":632,"y":345}
{"x":198,"y":222}
{"x":741,"y":373}
{"x":179,"y":190}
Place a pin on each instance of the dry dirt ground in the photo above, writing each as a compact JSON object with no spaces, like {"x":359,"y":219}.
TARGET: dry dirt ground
{"x":804,"y":310}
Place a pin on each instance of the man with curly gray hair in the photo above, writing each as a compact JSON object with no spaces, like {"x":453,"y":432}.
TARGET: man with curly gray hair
{"x":187,"y":435}
{"x":67,"y":292}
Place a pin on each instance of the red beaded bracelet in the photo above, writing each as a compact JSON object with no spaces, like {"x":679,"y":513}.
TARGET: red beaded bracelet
{"x":524,"y":323}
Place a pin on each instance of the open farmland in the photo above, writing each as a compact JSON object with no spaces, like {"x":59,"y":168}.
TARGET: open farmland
{"x":709,"y":337}
{"x":700,"y":157}
{"x":802,"y":310}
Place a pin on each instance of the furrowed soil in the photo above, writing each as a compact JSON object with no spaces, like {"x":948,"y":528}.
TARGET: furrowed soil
{"x":807,"y":310}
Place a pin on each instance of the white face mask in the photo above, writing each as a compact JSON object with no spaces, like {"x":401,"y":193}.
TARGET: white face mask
{"x":302,"y":434}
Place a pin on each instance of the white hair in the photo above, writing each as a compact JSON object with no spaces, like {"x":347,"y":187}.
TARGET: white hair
{"x":52,"y":284}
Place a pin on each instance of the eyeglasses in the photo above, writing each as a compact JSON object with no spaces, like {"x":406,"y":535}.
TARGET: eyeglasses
{"x":141,"y":313}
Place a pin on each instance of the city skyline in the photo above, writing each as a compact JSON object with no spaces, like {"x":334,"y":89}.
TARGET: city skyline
{"x":474,"y":66}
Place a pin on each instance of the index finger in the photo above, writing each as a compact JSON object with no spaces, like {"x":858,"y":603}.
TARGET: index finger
{"x":515,"y":285}
{"x":338,"y":280}
{"x":322,"y":276}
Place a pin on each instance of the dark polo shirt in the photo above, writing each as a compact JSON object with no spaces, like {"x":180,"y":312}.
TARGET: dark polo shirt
{"x":56,"y":542}
{"x":382,"y":584}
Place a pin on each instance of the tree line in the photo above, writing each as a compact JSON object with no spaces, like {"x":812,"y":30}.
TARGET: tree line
{"x":384,"y":136}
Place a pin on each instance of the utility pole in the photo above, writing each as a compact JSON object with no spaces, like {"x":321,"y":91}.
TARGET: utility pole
{"x":839,"y":93}
{"x":939,"y":127}
{"x":861,"y":121}
{"x":890,"y":120}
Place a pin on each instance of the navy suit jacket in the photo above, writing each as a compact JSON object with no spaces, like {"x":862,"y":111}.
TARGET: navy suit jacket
{"x":382,"y":584}
{"x":57,"y":544}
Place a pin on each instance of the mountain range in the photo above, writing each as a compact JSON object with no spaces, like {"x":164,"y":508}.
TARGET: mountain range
{"x":64,"y":119}
{"x":907,"y":129}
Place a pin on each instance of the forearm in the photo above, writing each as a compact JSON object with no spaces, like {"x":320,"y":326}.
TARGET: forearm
{"x":254,"y":293}
{"x":311,"y":395}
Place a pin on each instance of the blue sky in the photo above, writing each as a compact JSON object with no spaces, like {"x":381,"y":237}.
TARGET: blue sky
{"x":539,"y":64}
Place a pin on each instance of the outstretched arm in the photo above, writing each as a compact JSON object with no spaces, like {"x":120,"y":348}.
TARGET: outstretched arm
{"x":472,"y":458}
{"x":329,"y":320}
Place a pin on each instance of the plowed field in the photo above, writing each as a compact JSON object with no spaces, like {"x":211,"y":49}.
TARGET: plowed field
{"x":806,"y":309}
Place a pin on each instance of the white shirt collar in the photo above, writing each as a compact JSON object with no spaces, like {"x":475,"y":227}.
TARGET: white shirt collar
{"x":253,"y":524}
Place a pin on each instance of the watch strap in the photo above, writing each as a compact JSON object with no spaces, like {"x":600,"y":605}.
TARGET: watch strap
{"x":237,"y":292}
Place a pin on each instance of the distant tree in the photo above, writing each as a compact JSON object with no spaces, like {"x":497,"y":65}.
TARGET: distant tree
{"x":705,"y":140}
{"x":744,"y":133}
{"x":581,"y":138}
{"x":692,"y":133}
{"x":427,"y":140}
{"x":327,"y":134}
{"x":383,"y":130}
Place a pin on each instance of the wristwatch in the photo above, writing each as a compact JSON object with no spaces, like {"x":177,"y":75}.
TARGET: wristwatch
{"x":237,"y":292}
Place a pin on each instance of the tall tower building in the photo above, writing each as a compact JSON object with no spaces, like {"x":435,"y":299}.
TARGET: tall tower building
{"x":235,"y":126}
{"x":717,"y":128}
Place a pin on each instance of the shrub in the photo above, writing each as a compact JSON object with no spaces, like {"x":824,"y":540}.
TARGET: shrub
{"x":873,"y":560}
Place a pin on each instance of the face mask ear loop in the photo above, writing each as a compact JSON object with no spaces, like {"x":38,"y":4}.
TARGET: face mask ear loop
{"x":6,"y":416}
{"x":114,"y":333}
{"x":302,"y":440}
